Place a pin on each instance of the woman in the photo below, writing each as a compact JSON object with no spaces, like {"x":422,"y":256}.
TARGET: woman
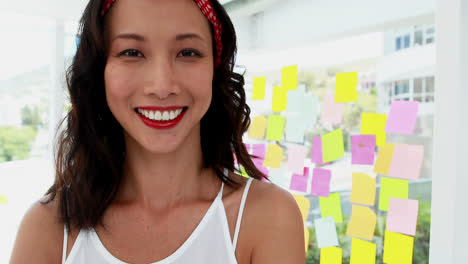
{"x":145,"y":166}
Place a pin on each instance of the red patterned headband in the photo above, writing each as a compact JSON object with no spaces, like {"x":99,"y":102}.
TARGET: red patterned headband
{"x":207,"y":9}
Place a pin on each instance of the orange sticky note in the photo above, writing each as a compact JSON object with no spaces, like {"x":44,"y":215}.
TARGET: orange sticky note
{"x":331,"y":255}
{"x":306,"y":237}
{"x":362,"y":252}
{"x":280,"y":99}
{"x":304,"y":205}
{"x":257,"y":128}
{"x":384,"y":159}
{"x":273,"y":156}
{"x":362,"y":222}
{"x":258,"y":90}
{"x":363,"y":189}
{"x":398,"y":248}
{"x":374,"y":124}
{"x":289,"y":78}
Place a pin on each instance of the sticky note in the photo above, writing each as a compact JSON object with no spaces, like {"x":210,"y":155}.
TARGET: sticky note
{"x":295,"y":128}
{"x":273,"y":156}
{"x":363,"y":252}
{"x":325,"y":231}
{"x":362,"y":223}
{"x":248,"y":147}
{"x":407,"y":161}
{"x":304,"y":205}
{"x":257,"y":128}
{"x":320,"y":182}
{"x":398,"y":248}
{"x":258,"y":90}
{"x":311,"y":110}
{"x":402,"y":216}
{"x":332,"y":145}
{"x":3,"y":199}
{"x":259,"y":165}
{"x":296,"y":101}
{"x":289,"y":77}
{"x":275,"y":127}
{"x":280,"y":99}
{"x":402,"y":117}
{"x":331,"y":255}
{"x":363,"y":149}
{"x":316,"y":155}
{"x":374,"y":124}
{"x":243,"y":173}
{"x":384,"y":159}
{"x":331,"y":206}
{"x":390,"y":187}
{"x":346,"y":87}
{"x":296,"y":157}
{"x":332,"y":113}
{"x":259,"y":150}
{"x":306,"y":238}
{"x":299,"y":181}
{"x":363,"y":189}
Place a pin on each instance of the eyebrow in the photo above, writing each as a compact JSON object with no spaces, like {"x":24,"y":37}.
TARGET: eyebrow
{"x":179,"y":37}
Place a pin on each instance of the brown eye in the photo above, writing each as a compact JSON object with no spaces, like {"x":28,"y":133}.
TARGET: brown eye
{"x":131,"y":53}
{"x":189,"y":53}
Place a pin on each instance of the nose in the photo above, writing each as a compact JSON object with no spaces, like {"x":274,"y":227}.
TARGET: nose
{"x":160,"y":79}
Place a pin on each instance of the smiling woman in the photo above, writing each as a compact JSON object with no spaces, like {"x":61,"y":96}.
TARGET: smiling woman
{"x":157,"y":117}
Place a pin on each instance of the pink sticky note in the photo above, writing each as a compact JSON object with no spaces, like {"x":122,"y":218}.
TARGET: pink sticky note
{"x":296,"y":156}
{"x":299,"y":182}
{"x":316,"y":155}
{"x":402,"y":216}
{"x":259,"y":164}
{"x":407,"y":161}
{"x":259,"y":150}
{"x":320,"y":182}
{"x":402,"y":117}
{"x":363,"y":149}
{"x":247,"y":147}
{"x":332,"y":113}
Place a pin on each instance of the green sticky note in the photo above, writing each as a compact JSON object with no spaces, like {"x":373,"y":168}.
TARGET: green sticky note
{"x":3,"y":199}
{"x":258,"y":90}
{"x":346,"y":87}
{"x":398,"y":248}
{"x":390,"y":187}
{"x":280,"y":99}
{"x":331,"y":255}
{"x":289,"y":78}
{"x":362,"y":252}
{"x":275,"y":128}
{"x":332,"y":146}
{"x":243,"y":173}
{"x":374,"y":124}
{"x":331,"y":206}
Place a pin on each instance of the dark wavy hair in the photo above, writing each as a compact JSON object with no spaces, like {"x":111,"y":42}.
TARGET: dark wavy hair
{"x":90,"y":150}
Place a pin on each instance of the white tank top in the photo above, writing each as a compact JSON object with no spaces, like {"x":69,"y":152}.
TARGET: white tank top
{"x":209,"y":243}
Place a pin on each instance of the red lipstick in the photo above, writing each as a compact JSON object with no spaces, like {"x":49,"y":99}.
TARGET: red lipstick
{"x":161,"y":124}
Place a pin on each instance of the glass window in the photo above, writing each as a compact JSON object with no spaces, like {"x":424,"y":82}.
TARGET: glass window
{"x":401,"y":87}
{"x":398,"y":44}
{"x":407,"y":41}
{"x":430,"y":84}
{"x":418,"y":38}
{"x":418,"y":85}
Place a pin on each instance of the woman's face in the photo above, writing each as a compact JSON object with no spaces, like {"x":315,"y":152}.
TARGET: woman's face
{"x":159,"y":67}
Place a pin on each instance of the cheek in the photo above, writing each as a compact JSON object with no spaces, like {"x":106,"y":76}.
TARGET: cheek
{"x":118,"y":83}
{"x":200,"y":82}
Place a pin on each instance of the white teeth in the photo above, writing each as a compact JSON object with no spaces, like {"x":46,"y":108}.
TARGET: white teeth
{"x":160,"y":116}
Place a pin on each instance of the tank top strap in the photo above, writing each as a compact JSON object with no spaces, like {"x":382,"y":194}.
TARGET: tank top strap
{"x":220,"y":194}
{"x":241,"y":210}
{"x":65,"y":242}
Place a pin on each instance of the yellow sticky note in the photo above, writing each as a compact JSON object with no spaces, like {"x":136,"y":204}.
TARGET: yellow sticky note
{"x":3,"y":199}
{"x":398,"y":248}
{"x":374,"y":124}
{"x":331,"y":255}
{"x":362,"y":222}
{"x":258,"y":89}
{"x":280,"y":99}
{"x":331,"y":206}
{"x":306,"y":236}
{"x":257,"y":128}
{"x":390,"y":187}
{"x":275,"y":128}
{"x":384,"y":159}
{"x":304,"y":205}
{"x":363,"y":189}
{"x":362,"y":252}
{"x":332,"y":146}
{"x":243,"y":173}
{"x":346,"y":87}
{"x":289,"y":78}
{"x":273,"y":156}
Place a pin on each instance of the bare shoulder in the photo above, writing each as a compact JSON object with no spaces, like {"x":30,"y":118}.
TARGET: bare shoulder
{"x":279,"y":228}
{"x":40,"y":235}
